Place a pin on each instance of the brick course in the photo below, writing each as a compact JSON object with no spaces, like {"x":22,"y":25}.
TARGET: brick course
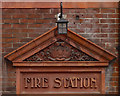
{"x":99,"y":25}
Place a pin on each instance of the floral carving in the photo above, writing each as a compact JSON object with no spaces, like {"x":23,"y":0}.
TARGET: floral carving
{"x":60,"y":51}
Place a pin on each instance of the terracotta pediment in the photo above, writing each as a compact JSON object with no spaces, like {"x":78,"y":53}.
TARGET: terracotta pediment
{"x":53,"y":47}
{"x":60,"y":51}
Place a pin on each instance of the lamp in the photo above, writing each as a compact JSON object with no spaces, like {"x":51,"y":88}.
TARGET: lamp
{"x":62,"y":24}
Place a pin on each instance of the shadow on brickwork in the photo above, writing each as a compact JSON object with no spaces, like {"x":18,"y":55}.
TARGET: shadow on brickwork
{"x":119,"y":47}
{"x":8,"y":89}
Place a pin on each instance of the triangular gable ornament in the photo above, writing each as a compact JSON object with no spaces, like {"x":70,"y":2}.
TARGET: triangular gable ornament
{"x":52,"y":46}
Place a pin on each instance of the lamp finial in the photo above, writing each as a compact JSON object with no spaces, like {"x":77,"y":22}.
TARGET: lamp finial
{"x":61,"y":9}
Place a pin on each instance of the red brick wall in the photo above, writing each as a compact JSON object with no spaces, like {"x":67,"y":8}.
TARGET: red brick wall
{"x":99,"y":25}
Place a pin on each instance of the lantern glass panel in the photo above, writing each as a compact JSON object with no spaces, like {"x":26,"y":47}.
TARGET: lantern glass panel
{"x":62,"y":28}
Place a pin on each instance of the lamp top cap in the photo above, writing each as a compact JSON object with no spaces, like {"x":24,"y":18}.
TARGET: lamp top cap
{"x":62,"y":20}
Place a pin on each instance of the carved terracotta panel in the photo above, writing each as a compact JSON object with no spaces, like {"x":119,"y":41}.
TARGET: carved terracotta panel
{"x":60,"y":51}
{"x":59,"y":81}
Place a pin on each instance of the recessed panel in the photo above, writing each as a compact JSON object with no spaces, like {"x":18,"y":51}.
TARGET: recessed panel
{"x":60,"y":82}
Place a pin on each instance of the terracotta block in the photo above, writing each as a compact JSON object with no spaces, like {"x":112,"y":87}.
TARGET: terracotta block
{"x":10,"y":84}
{"x":27,"y":20}
{"x":43,"y":10}
{"x":103,"y":26}
{"x":89,"y":16}
{"x":19,"y":35}
{"x":11,"y":79}
{"x":114,"y":26}
{"x":19,"y":26}
{"x":33,"y":35}
{"x":35,"y":25}
{"x":7,"y":31}
{"x":101,"y":35}
{"x":100,"y":15}
{"x":110,"y":30}
{"x":45,"y":16}
{"x":17,"y":16}
{"x":115,"y":83}
{"x":4,"y":35}
{"x":107,"y":20}
{"x":113,"y":15}
{"x":116,"y":64}
{"x":115,"y":74}
{"x":93,"y":10}
{"x":11,"y":70}
{"x":25,"y":40}
{"x":26,"y":11}
{"x":117,"y":40}
{"x":117,"y":10}
{"x":117,"y":20}
{"x":117,"y":89}
{"x":53,"y":20}
{"x":43,"y":21}
{"x":117,"y":69}
{"x":6,"y":26}
{"x":35,"y":15}
{"x":76,"y":10}
{"x":113,"y":35}
{"x":25,"y":30}
{"x":16,"y":45}
{"x":70,"y":16}
{"x":5,"y":16}
{"x":10,"y":21}
{"x":65,"y":11}
{"x":12,"y":75}
{"x":10,"y":88}
{"x":71,"y":26}
{"x":108,"y":10}
{"x":6,"y":45}
{"x":7,"y":40}
{"x":91,"y":20}
{"x":115,"y":79}
{"x":10,"y":31}
{"x":93,"y":30}
{"x":9,"y":11}
{"x":16,"y":40}
{"x":85,"y":26}
{"x":81,"y":30}
{"x":55,"y":10}
{"x":51,"y":25}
